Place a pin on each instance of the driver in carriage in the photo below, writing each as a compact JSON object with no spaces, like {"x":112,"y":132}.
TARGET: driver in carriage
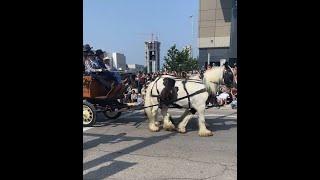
{"x":119,"y":83}
{"x":107,"y":64}
{"x":108,"y":73}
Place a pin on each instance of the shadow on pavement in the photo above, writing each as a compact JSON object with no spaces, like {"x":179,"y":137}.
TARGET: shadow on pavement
{"x":105,"y":171}
{"x":118,"y":166}
{"x":136,"y":122}
{"x":214,"y":124}
{"x":104,"y":139}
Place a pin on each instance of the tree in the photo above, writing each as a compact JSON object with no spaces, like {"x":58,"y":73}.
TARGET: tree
{"x":179,"y":60}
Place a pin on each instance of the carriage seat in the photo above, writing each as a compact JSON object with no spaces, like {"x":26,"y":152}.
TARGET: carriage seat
{"x":92,"y":87}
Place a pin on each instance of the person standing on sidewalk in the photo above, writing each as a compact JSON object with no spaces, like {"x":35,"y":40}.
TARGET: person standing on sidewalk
{"x":141,"y":81}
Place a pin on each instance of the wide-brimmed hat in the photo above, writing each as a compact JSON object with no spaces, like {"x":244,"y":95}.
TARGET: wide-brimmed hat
{"x":86,"y":48}
{"x":99,"y":52}
{"x":88,"y":53}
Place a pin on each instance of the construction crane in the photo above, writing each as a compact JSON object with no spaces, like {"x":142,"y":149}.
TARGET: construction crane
{"x":148,"y":34}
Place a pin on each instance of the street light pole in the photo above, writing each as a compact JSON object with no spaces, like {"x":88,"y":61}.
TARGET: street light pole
{"x":191,"y":17}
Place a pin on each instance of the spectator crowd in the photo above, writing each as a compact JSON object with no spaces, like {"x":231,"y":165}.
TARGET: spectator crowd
{"x":98,"y":66}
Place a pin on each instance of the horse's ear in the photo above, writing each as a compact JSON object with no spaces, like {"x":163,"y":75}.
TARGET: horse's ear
{"x":226,"y":65}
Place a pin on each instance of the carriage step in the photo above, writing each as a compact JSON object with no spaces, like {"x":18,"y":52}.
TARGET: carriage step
{"x":102,"y":97}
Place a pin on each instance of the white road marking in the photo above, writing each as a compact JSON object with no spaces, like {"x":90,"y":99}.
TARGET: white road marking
{"x":86,"y":128}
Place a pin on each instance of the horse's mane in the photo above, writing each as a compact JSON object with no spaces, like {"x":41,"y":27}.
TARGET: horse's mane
{"x":213,"y":75}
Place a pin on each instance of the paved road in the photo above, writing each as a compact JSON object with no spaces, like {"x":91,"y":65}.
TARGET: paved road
{"x":126,"y":149}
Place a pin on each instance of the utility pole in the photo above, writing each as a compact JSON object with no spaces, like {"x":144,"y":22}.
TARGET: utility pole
{"x":192,"y":35}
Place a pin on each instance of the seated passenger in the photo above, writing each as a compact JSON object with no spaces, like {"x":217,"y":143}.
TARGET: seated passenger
{"x":93,"y":69}
{"x":105,"y":72}
{"x":116,"y":76}
{"x":107,"y":64}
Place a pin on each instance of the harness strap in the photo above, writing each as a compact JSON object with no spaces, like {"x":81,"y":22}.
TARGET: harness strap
{"x":195,"y":93}
{"x":152,"y":95}
{"x":184,"y":87}
{"x":172,"y":101}
{"x":157,"y":87}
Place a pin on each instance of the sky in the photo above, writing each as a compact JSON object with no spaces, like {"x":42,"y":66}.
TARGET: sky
{"x":124,"y":25}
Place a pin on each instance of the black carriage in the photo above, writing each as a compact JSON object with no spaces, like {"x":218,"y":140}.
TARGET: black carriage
{"x":96,"y":99}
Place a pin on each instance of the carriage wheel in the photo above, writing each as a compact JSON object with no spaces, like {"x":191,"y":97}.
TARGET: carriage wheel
{"x":89,"y":115}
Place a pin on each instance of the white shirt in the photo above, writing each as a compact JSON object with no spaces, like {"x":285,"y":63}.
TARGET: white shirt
{"x":134,"y":96}
{"x":139,"y":100}
{"x":108,"y":67}
{"x":223,"y":96}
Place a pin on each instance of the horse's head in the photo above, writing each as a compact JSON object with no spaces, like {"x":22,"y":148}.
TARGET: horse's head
{"x":216,"y":76}
{"x":228,"y":76}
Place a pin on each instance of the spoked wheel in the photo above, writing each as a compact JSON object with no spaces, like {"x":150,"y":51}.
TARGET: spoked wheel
{"x":89,"y":115}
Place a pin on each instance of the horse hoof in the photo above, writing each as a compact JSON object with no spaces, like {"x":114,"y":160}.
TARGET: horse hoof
{"x":205,"y":133}
{"x":181,"y":130}
{"x":153,"y":128}
{"x":169,"y":127}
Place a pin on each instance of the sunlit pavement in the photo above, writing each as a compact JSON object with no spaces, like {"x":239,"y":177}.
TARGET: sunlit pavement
{"x":125,"y":149}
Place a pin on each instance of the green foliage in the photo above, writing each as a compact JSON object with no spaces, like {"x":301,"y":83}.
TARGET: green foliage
{"x":180,"y":60}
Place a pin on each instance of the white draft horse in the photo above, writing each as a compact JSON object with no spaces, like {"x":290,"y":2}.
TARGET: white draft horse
{"x":212,"y":79}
